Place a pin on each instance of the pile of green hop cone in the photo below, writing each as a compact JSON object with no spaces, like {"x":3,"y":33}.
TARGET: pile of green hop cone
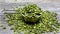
{"x":31,"y":19}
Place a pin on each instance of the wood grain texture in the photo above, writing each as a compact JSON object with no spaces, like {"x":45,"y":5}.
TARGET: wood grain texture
{"x":51,"y":5}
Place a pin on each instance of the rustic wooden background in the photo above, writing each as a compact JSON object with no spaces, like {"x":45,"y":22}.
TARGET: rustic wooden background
{"x":51,"y":5}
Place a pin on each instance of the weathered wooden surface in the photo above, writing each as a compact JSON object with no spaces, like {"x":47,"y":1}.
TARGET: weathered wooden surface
{"x":44,"y":4}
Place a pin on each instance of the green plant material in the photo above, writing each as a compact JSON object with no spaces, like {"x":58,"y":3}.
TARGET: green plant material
{"x":30,"y":13}
{"x":12,"y":28}
{"x":3,"y":27}
{"x":32,"y":20}
{"x":15,"y":0}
